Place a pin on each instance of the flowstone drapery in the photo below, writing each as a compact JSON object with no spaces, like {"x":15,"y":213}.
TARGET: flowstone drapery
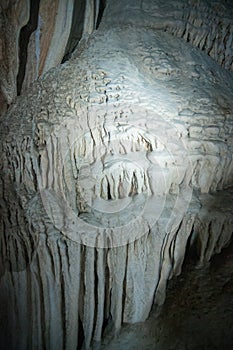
{"x":110,"y":165}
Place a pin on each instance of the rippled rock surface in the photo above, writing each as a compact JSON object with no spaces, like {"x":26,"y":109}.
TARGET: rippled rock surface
{"x":110,"y":165}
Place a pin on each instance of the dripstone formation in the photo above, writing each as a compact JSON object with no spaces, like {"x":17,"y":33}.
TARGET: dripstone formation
{"x":111,"y":163}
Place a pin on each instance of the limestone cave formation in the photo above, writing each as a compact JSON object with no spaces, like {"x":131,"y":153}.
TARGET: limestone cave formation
{"x":116,"y":168}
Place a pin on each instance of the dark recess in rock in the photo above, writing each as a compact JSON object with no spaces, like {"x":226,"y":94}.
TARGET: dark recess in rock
{"x":101,"y":12}
{"x":24,"y":37}
{"x":76,"y":31}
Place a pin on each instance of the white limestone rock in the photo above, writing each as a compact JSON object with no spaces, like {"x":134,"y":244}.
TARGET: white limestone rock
{"x":105,"y":166}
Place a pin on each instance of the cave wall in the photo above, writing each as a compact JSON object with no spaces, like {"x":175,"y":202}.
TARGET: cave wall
{"x":38,"y":35}
{"x":206,"y":24}
{"x":110,"y":164}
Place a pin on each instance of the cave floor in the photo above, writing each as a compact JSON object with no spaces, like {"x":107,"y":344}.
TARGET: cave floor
{"x":197,"y":313}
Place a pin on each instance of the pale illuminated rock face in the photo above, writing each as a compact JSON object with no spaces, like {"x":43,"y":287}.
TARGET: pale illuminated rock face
{"x":110,"y":164}
{"x":206,"y":24}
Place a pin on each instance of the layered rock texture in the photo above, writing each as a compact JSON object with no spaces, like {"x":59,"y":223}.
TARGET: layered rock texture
{"x":111,"y":164}
{"x":38,"y":35}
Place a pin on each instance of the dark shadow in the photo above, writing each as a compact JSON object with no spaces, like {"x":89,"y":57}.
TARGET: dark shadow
{"x":24,"y":37}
